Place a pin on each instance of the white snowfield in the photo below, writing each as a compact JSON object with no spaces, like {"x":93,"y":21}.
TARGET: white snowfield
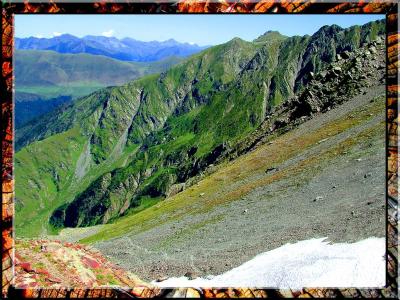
{"x":309,"y":263}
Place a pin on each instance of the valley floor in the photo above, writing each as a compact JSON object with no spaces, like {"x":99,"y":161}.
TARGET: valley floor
{"x":325,"y":178}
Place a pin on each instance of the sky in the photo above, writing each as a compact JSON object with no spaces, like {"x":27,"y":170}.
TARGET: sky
{"x":201,"y":29}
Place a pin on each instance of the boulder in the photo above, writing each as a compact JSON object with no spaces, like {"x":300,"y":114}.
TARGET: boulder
{"x":318,"y":198}
{"x":379,"y":40}
{"x":147,"y":172}
{"x":372,"y":49}
{"x":337,"y":70}
{"x":272,"y":169}
{"x":175,"y":189}
{"x":190,"y":275}
{"x":366,"y":54}
{"x":322,"y":74}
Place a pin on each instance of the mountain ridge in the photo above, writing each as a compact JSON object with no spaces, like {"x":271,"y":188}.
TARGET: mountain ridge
{"x":172,"y":126}
{"x":126,"y":49}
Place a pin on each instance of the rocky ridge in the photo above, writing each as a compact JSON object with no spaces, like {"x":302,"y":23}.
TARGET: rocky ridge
{"x":351,"y":74}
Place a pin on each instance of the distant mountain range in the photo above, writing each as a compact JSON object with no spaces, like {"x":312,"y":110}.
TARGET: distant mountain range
{"x":126,"y":49}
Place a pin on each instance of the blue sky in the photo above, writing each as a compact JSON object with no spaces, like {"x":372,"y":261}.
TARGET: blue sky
{"x":199,"y":29}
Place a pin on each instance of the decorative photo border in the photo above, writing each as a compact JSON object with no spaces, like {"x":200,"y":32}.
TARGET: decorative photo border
{"x":9,"y":8}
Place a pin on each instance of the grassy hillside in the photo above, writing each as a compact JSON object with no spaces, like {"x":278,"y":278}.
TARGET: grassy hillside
{"x":138,"y":143}
{"x":51,"y":74}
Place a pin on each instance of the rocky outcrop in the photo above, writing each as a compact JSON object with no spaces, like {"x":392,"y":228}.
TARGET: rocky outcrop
{"x":53,"y":264}
{"x":347,"y":76}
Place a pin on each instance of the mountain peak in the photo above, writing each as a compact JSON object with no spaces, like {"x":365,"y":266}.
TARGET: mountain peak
{"x":170,"y":42}
{"x":329,"y":29}
{"x":269,"y":36}
{"x":236,"y":40}
{"x":67,"y":36}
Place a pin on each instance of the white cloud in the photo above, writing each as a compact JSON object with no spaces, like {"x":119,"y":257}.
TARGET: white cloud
{"x":108,"y":33}
{"x":56,"y":33}
{"x":39,"y":36}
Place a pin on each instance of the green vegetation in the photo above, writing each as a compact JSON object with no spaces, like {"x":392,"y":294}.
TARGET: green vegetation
{"x":74,"y":90}
{"x":50,"y":74}
{"x":43,"y":173}
{"x":121,"y":150}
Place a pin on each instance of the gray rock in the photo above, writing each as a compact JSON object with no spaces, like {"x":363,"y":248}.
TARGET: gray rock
{"x":175,"y":189}
{"x":163,"y":278}
{"x":318,"y":198}
{"x":379,"y":40}
{"x":190,"y":275}
{"x":272,"y":169}
{"x":367,"y":53}
{"x":337,"y":69}
{"x":323,"y":74}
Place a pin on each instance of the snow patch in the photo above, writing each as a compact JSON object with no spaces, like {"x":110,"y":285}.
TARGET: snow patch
{"x":309,"y":263}
{"x":108,"y":33}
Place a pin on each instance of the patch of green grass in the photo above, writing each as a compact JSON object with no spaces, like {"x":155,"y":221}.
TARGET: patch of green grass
{"x":39,"y":265}
{"x":74,"y":90}
{"x":42,"y":170}
{"x":145,"y":202}
{"x":100,"y":277}
{"x":112,"y":280}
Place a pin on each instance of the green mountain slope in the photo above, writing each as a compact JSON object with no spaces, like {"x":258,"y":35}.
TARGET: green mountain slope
{"x":51,"y":74}
{"x":125,"y":148}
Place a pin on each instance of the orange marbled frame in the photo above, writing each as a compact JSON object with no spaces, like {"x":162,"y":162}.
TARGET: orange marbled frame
{"x":390,"y":8}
